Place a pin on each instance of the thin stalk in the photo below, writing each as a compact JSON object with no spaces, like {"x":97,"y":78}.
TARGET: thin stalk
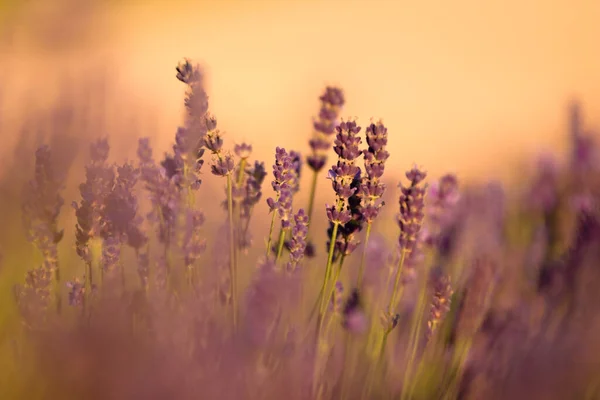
{"x":374,"y":367}
{"x":280,"y":244}
{"x":270,"y":240}
{"x":335,"y":279}
{"x":464,"y":346}
{"x":317,"y":384}
{"x":395,"y":291}
{"x":328,"y":271}
{"x":238,"y":208}
{"x":232,"y":261}
{"x":311,"y":198}
{"x":361,"y":269}
{"x":349,"y":364}
{"x":414,"y":338}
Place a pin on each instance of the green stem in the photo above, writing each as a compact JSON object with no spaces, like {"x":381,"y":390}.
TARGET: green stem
{"x":395,"y":291}
{"x":232,"y":261}
{"x":280,"y":244}
{"x":361,"y":269}
{"x":270,"y":240}
{"x":335,"y":279}
{"x":349,"y":364}
{"x":328,"y":270}
{"x":311,"y":198}
{"x":414,"y":338}
{"x":375,"y":367}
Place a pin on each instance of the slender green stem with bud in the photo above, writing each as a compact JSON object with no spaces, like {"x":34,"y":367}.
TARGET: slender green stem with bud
{"x":311,"y":198}
{"x":396,"y":292}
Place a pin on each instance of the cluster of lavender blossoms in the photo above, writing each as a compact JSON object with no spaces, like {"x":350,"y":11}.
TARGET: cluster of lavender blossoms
{"x":372,"y":188}
{"x":410,"y":220}
{"x":148,"y":301}
{"x":285,"y":183}
{"x":40,"y":211}
{"x":345,"y":215}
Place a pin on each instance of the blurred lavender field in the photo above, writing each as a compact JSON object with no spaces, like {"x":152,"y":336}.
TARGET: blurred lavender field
{"x":173,"y":284}
{"x":330,"y":267}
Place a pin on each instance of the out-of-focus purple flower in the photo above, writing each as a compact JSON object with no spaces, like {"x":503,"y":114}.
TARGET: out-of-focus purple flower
{"x":584,"y":149}
{"x":250,"y":193}
{"x":42,"y":203}
{"x":185,"y":165}
{"x":193,"y":244}
{"x":99,"y":182}
{"x":77,"y":292}
{"x":111,"y":255}
{"x":120,"y":209}
{"x":337,"y":299}
{"x":143,"y":268}
{"x":243,"y":150}
{"x":354,"y":318}
{"x":285,"y":179}
{"x":296,"y":159}
{"x":196,"y":100}
{"x":265,"y":301}
{"x":544,"y":190}
{"x":33,"y":298}
{"x":163,"y":192}
{"x":332,"y":102}
{"x":377,"y":259}
{"x":443,"y":196}
{"x":440,"y":304}
{"x":298,"y":241}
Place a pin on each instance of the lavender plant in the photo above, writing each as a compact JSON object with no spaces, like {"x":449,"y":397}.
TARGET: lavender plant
{"x":459,"y":315}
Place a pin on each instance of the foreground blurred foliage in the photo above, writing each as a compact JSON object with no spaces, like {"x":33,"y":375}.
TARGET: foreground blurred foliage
{"x":479,"y":293}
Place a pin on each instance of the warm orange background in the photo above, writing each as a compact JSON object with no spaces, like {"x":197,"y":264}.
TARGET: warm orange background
{"x":463,"y":85}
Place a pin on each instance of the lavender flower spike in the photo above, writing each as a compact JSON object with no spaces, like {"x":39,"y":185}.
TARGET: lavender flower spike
{"x":298,"y":245}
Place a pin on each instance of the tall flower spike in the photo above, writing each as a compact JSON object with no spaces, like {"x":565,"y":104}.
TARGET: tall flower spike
{"x":410,"y":220}
{"x":324,"y":126}
{"x":332,"y":102}
{"x":298,"y":242}
{"x":345,"y":177}
{"x":285,"y":179}
{"x":252,"y":192}
{"x":412,"y":202}
{"x":440,"y":304}
{"x":41,"y":208}
{"x":164,"y":194}
{"x":443,"y":196}
{"x":371,"y":188}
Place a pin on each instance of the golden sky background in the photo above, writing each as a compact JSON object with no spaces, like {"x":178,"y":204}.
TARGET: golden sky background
{"x":464,"y":86}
